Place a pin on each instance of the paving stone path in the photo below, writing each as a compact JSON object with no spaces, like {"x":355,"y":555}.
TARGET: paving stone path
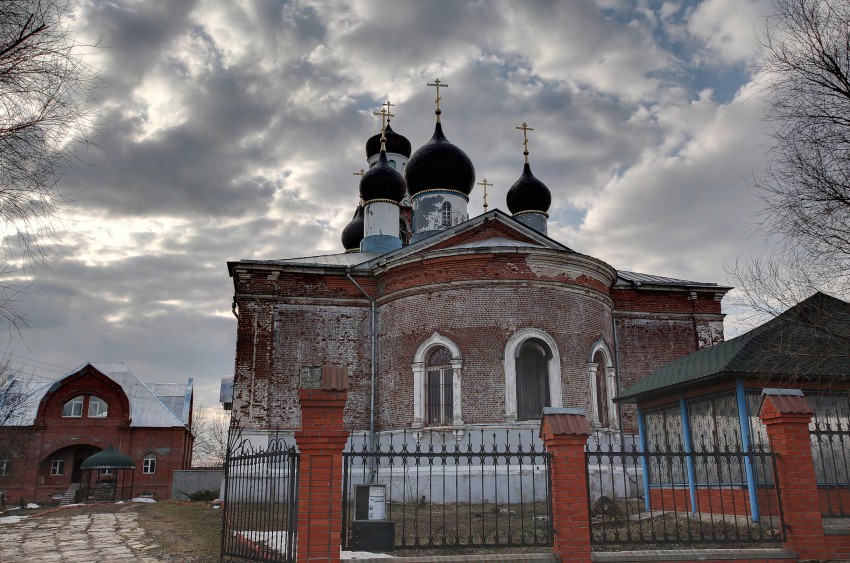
{"x":93,"y":538}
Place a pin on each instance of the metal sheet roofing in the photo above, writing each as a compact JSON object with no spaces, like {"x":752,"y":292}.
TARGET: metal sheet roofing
{"x":146,"y":409}
{"x":632,"y":278}
{"x":807,"y":341}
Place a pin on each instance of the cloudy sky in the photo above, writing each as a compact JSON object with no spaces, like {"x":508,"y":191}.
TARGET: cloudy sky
{"x":232,"y":130}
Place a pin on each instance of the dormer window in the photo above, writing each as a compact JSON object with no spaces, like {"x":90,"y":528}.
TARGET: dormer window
{"x":97,"y":407}
{"x":74,"y":407}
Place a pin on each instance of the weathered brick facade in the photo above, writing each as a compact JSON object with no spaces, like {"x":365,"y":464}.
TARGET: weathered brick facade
{"x":33,"y":447}
{"x":477,"y":286}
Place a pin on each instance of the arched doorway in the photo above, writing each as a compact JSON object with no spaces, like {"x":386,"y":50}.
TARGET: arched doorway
{"x":532,"y":379}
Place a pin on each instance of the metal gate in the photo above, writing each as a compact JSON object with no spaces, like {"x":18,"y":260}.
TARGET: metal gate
{"x":260,"y":500}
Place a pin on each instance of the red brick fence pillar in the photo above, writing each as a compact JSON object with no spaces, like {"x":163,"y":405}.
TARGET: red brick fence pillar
{"x":564,"y":433}
{"x":786,"y":414}
{"x":321,"y":441}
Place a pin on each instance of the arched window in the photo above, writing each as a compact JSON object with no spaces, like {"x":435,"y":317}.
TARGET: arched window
{"x":602,"y":392}
{"x":97,"y":407}
{"x":392,"y":164}
{"x":532,"y":379}
{"x":438,"y":392}
{"x":532,"y":374}
{"x":437,"y":374}
{"x":74,"y":407}
{"x":149,"y":464}
{"x":602,"y":379}
{"x":446,"y":214}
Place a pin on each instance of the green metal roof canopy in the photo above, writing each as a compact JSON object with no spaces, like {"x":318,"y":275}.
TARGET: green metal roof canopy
{"x":808,"y":342}
{"x":110,"y":458}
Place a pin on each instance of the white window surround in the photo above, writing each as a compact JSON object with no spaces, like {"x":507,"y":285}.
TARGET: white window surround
{"x":511,"y":353}
{"x":610,"y":379}
{"x":418,"y":366}
{"x":149,"y":464}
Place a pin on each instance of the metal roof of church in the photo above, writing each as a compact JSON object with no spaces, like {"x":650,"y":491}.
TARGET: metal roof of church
{"x":807,"y":341}
{"x":635,"y":278}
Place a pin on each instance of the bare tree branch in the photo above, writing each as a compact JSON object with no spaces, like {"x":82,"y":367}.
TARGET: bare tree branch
{"x":805,"y":190}
{"x":45,"y":113}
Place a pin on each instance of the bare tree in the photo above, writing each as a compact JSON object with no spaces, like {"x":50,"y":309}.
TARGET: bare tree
{"x":45,"y":90}
{"x":805,"y":190}
{"x":17,"y":402}
{"x":209,"y":427}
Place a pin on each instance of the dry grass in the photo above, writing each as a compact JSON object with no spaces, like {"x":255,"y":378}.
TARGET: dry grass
{"x":185,"y":532}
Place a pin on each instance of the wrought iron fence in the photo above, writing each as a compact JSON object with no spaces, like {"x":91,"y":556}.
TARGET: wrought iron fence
{"x":830,"y":437}
{"x":667,"y":495}
{"x":260,"y":500}
{"x":451,"y":490}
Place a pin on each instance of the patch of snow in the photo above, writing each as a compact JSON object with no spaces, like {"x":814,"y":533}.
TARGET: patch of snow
{"x":14,"y":508}
{"x":33,"y":505}
{"x":120,"y":502}
{"x":363,"y":555}
{"x":142,"y":499}
{"x":11,"y":519}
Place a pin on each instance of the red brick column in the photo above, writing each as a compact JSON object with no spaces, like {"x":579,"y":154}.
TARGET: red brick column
{"x":321,"y":441}
{"x":786,"y":413}
{"x":565,"y":432}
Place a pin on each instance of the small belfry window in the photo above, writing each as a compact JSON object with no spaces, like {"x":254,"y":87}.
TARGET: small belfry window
{"x":97,"y":407}
{"x":447,"y":214}
{"x":57,"y":466}
{"x":149,"y":464}
{"x":74,"y":407}
{"x":438,"y":388}
{"x":5,"y":466}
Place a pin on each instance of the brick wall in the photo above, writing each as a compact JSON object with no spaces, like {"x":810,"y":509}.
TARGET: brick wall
{"x":292,"y":316}
{"x":61,"y":437}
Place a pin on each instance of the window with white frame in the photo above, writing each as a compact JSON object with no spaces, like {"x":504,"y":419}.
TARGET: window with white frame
{"x":57,"y":466}
{"x":97,"y":407}
{"x":439,"y":387}
{"x":5,"y":466}
{"x":149,"y":464}
{"x":446,"y":212}
{"x":74,"y":407}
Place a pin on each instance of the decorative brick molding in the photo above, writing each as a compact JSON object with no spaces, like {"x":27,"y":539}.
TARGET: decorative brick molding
{"x":565,"y":433}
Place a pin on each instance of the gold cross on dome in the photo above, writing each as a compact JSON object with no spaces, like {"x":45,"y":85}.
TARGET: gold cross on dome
{"x":525,"y":129}
{"x":438,"y":85}
{"x":385,"y":115}
{"x":361,"y":173}
{"x":485,"y":183}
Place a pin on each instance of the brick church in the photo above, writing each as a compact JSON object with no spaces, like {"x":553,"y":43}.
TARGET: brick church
{"x":448,"y":322}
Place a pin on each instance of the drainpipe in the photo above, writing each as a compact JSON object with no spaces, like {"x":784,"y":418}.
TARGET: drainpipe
{"x":372,"y":398}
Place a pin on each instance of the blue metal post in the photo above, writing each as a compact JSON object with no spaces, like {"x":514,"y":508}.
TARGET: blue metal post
{"x":643,"y":463}
{"x":744,"y":423}
{"x":689,"y":460}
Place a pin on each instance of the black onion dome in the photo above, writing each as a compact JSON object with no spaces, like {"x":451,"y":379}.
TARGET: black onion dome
{"x":528,"y":193}
{"x":438,"y":164}
{"x":382,"y":181}
{"x":395,"y":143}
{"x":352,"y":234}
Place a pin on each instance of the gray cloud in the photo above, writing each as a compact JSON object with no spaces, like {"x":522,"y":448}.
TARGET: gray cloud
{"x":231,"y":130}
